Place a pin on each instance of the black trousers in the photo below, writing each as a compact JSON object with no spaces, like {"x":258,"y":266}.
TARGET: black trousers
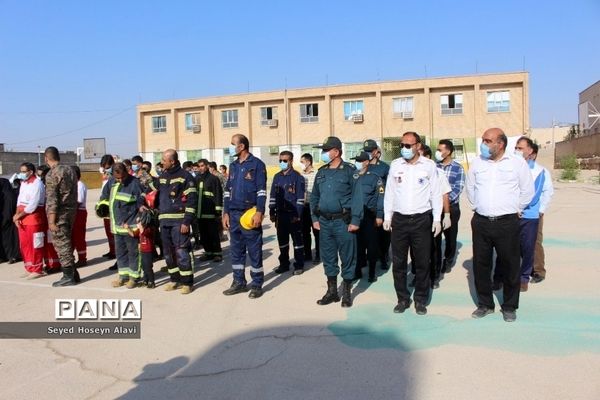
{"x":147,"y":267}
{"x":306,"y":238}
{"x":501,"y":235}
{"x":210,"y":236}
{"x":285,"y":229}
{"x":367,"y":245}
{"x":384,"y":239}
{"x":411,"y":231}
{"x":450,"y":235}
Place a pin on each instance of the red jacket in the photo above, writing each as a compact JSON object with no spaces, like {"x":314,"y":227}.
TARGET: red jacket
{"x":147,"y":240}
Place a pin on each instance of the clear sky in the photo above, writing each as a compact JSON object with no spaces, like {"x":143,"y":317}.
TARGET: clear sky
{"x":75,"y":69}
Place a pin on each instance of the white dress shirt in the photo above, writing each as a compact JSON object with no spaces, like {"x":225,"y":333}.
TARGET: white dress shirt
{"x":547,"y":191}
{"x":81,"y":195}
{"x":500,"y":187}
{"x":444,"y":184}
{"x":412,"y":189}
{"x":32,"y":194}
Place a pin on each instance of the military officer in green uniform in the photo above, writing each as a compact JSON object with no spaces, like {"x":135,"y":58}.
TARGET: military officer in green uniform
{"x":336,"y":210}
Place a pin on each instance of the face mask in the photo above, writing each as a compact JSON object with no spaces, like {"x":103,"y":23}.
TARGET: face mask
{"x":531,"y":163}
{"x":370,"y":156}
{"x":232,"y":151}
{"x":485,"y":151}
{"x":108,"y":171}
{"x":438,"y":156}
{"x":325,"y":157}
{"x":358,"y":165}
{"x":135,"y":167}
{"x":158,"y":171}
{"x":519,"y":153}
{"x":22,"y":176}
{"x":407,"y":154}
{"x":193,"y":173}
{"x":283,"y":165}
{"x":303,"y":167}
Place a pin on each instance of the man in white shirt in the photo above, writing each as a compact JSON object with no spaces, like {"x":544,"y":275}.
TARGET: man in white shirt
{"x":499,"y":187}
{"x":79,"y":227}
{"x":412,"y":210}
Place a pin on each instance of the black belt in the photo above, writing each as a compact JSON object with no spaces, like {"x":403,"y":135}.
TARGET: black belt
{"x":498,"y":217}
{"x":332,"y":216}
{"x":414,"y":215}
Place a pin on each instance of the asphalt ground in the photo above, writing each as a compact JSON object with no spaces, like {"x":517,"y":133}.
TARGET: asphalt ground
{"x":284,"y":346}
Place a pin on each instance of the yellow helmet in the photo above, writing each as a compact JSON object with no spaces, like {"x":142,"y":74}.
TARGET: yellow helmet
{"x":246,"y":218}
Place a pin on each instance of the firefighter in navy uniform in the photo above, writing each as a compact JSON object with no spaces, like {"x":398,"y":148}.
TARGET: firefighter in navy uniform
{"x":382,"y":169}
{"x":245,"y":194}
{"x":123,"y":195}
{"x":373,"y":192}
{"x":336,"y":208}
{"x":210,"y":208}
{"x":177,"y":198}
{"x":286,"y":205}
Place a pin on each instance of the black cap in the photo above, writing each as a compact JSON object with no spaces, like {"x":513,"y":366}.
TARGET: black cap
{"x":362,"y":156}
{"x":370,"y":145}
{"x":330,"y":143}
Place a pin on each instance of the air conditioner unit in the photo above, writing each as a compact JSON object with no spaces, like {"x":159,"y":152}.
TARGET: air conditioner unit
{"x":270,"y":122}
{"x":407,"y":115}
{"x":196,"y":128}
{"x":357,"y":118}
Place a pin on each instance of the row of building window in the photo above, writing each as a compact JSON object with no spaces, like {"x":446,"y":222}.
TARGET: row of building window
{"x":402,"y":107}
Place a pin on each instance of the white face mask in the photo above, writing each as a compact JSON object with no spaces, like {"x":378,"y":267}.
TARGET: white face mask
{"x":439,"y":156}
{"x":519,"y":153}
{"x":303,"y":166}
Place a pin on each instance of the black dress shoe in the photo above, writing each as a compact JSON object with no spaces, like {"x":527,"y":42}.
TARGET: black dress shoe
{"x":235,"y":288}
{"x":255,"y":293}
{"x":113,"y":267}
{"x":109,"y":255}
{"x":420,"y":308}
{"x":509,"y":315}
{"x":373,"y":279}
{"x":402,"y":306}
{"x":537,"y":278}
{"x":65,"y":281}
{"x":281,"y":270}
{"x":14,"y":260}
{"x":481,"y":312}
{"x":316,"y":260}
{"x":298,"y":271}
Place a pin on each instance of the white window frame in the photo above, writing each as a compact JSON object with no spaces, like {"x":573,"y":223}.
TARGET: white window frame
{"x":445,"y":101}
{"x":191,"y":119}
{"x":401,"y":109}
{"x":158,"y":127}
{"x":229,"y":118}
{"x":307,"y":112}
{"x":264,"y":114}
{"x":357,"y":107}
{"x":495,"y":101}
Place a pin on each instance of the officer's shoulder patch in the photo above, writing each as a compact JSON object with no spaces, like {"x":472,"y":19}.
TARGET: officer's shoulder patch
{"x":381,"y":189}
{"x":356,"y":176}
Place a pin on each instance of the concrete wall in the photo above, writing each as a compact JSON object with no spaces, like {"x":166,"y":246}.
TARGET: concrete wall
{"x":587,"y":147}
{"x":10,"y":161}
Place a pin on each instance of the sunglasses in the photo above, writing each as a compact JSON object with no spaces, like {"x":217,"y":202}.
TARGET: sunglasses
{"x":281,"y":160}
{"x":407,"y":145}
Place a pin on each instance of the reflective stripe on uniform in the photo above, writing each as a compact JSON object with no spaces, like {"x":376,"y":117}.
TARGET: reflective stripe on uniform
{"x":237,"y":266}
{"x":174,"y":216}
{"x":256,"y":270}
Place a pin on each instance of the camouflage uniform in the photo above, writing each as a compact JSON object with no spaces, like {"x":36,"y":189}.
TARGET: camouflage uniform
{"x":61,"y":199}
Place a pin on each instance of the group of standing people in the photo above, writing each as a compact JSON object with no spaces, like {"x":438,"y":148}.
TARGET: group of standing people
{"x":354,"y":211}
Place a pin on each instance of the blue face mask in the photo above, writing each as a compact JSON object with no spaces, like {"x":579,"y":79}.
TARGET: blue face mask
{"x":407,"y":154}
{"x":325,"y":157}
{"x":283,"y":165}
{"x":485,"y":151}
{"x":22,"y":176}
{"x":531,"y":163}
{"x":232,"y":151}
{"x":358,"y":164}
{"x":135,"y":167}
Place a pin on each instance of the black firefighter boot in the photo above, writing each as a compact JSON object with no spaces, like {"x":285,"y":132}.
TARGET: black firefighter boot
{"x":332,"y":294}
{"x":68,"y":278}
{"x":347,"y":293}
